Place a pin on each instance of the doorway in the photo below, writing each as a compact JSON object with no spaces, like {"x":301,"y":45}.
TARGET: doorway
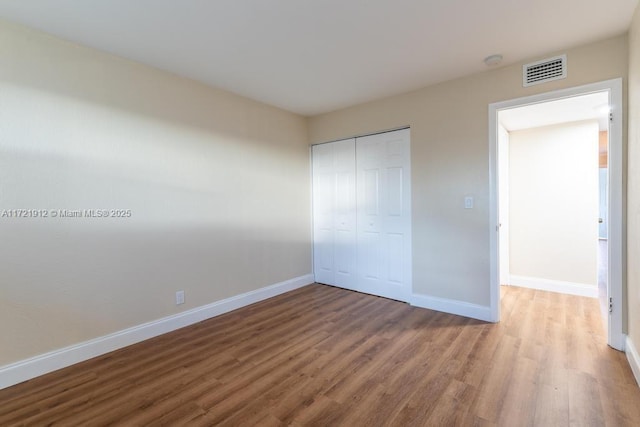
{"x":586,"y":105}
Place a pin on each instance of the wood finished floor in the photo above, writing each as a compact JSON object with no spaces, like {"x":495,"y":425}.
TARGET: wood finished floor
{"x":330,"y":357}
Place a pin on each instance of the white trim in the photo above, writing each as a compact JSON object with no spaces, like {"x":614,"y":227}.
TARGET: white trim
{"x":362,"y":135}
{"x":311,"y":223}
{"x":461,"y":308}
{"x":39,"y":365}
{"x":615,"y":337}
{"x":633,"y":357}
{"x":494,"y":220}
{"x":581,"y":289}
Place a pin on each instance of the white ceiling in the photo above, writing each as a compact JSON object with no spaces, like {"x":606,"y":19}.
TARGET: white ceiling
{"x":314,"y":56}
{"x":593,"y":106}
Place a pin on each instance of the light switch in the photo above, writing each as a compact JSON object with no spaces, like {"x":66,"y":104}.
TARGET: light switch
{"x":468,"y":202}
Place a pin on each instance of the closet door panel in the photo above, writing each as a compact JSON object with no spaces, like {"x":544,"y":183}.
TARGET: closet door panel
{"x":345,"y":214}
{"x":334,"y":213}
{"x":370,"y":259}
{"x":323,"y":189}
{"x":361,"y":209}
{"x":384,"y":211}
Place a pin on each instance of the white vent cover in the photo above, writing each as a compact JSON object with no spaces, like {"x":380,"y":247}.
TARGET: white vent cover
{"x":544,"y":71}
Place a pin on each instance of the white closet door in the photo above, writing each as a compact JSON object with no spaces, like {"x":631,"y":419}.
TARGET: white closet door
{"x":384,"y":214}
{"x":334,"y":213}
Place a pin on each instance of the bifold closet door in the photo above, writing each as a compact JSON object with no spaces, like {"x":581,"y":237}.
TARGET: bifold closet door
{"x":362,"y":214}
{"x":384,"y":214}
{"x":334,"y":213}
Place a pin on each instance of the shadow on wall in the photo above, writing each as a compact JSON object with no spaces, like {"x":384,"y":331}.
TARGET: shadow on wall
{"x":217,"y":187}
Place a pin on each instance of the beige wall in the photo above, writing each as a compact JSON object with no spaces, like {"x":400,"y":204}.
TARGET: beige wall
{"x":633,"y":193}
{"x":218,"y":188}
{"x":450,"y":159}
{"x":553,"y":203}
{"x":85,"y":130}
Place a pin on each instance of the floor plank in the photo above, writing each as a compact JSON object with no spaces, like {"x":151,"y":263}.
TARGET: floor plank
{"x":326,"y":356}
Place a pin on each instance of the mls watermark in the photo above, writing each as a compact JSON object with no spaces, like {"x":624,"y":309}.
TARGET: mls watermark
{"x":65,"y":213}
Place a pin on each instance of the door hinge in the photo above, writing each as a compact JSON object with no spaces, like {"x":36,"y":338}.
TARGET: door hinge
{"x":610,"y":116}
{"x":610,"y":305}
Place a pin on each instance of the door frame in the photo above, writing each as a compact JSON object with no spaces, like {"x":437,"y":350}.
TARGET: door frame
{"x":615,"y":336}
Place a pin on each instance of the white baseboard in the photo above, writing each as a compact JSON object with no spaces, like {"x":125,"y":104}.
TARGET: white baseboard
{"x":571,"y":288}
{"x":451,"y":306}
{"x":35,"y":366}
{"x":633,"y":357}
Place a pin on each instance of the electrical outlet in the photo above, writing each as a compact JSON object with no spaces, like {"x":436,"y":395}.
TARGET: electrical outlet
{"x":179,"y":297}
{"x":468,"y":202}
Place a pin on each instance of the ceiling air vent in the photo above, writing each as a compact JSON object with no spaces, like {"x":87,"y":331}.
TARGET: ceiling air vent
{"x":544,"y":71}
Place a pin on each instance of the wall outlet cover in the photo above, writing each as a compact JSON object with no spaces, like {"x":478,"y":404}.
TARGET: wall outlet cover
{"x":179,"y":297}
